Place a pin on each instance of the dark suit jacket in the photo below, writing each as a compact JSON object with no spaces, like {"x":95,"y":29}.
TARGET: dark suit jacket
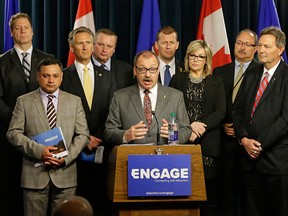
{"x":123,"y":73}
{"x":269,"y":125}
{"x":226,"y":73}
{"x":213,"y":109}
{"x":126,"y":110}
{"x":13,"y":82}
{"x":104,"y":87}
{"x":179,"y":67}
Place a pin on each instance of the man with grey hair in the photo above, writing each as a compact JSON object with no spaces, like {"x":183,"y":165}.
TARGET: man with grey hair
{"x":261,"y":125}
{"x":95,"y":86}
{"x":232,"y":75}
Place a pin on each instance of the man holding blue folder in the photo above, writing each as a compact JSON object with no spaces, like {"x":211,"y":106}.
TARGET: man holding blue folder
{"x":47,"y":186}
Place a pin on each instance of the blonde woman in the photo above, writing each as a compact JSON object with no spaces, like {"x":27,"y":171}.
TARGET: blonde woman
{"x":206,"y":105}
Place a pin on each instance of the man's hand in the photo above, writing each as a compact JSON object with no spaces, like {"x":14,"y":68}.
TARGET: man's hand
{"x":49,"y":158}
{"x":252,"y":147}
{"x":164,"y":128}
{"x":228,"y":129}
{"x":94,"y":143}
{"x":193,"y":137}
{"x":136,"y":132}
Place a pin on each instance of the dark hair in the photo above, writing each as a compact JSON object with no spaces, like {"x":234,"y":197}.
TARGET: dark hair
{"x":49,"y":61}
{"x":17,"y":16}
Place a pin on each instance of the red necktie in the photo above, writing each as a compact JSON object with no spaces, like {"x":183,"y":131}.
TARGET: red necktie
{"x":260,"y":91}
{"x":147,"y":108}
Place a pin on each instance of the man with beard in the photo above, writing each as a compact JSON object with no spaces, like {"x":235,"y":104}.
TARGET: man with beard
{"x":127,"y":121}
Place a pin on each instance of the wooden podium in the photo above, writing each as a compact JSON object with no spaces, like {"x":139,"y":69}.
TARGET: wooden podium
{"x":117,"y":189}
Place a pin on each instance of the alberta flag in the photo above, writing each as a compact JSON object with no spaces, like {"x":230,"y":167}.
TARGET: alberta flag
{"x":84,"y":17}
{"x":149,"y":26}
{"x":11,"y":8}
{"x":212,"y":29}
{"x":268,"y":16}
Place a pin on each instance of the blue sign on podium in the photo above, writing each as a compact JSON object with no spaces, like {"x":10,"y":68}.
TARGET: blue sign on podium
{"x":159,"y":175}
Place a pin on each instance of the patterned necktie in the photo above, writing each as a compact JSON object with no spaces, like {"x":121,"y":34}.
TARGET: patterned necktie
{"x":167,"y":75}
{"x":237,"y":82}
{"x":51,"y":112}
{"x":147,"y":108}
{"x":104,"y":66}
{"x":260,"y":91}
{"x":88,"y":89}
{"x":26,"y":66}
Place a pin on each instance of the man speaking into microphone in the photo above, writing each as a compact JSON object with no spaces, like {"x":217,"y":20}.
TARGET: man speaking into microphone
{"x":135,"y":110}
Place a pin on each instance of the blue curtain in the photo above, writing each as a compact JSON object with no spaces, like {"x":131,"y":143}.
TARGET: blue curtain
{"x":54,"y":19}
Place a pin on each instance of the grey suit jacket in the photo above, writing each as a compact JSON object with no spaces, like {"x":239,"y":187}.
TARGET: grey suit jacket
{"x":29,"y":119}
{"x":126,"y":110}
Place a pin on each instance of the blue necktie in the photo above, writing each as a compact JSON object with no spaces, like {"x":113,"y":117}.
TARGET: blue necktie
{"x":167,"y":76}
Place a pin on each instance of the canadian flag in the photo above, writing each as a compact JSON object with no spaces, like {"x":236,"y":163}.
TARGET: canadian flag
{"x":212,"y":29}
{"x":84,"y":17}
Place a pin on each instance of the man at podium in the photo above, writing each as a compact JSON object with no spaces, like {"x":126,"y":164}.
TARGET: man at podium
{"x":136,"y":110}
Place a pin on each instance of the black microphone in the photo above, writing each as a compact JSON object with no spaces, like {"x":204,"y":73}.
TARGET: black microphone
{"x":158,"y":130}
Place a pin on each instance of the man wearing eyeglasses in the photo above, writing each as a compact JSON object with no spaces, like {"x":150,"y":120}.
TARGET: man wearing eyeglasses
{"x":232,"y":75}
{"x":127,"y":122}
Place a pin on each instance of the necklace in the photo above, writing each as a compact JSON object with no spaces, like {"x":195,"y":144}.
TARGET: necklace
{"x":196,"y":79}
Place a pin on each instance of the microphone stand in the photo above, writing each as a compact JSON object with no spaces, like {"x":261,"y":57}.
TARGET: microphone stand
{"x":158,"y":130}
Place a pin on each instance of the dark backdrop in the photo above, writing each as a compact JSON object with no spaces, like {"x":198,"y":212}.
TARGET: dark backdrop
{"x":54,"y":19}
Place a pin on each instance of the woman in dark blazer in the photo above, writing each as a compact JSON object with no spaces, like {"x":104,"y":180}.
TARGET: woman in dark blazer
{"x":206,"y":105}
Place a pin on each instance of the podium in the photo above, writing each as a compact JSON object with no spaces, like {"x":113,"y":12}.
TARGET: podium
{"x":117,"y":188}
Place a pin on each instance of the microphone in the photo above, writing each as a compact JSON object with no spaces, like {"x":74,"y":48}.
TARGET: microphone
{"x":158,"y":130}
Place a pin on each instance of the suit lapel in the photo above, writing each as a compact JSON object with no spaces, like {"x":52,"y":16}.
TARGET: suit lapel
{"x":34,"y":64}
{"x":276,"y":76}
{"x":16,"y":61}
{"x":77,"y":85}
{"x":40,"y":109}
{"x":162,"y":100}
{"x":98,"y":77}
{"x":60,"y":108}
{"x":137,"y":103}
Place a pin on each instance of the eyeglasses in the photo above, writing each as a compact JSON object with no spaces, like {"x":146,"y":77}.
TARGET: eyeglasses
{"x":199,"y":58}
{"x":246,"y":44}
{"x":142,"y":70}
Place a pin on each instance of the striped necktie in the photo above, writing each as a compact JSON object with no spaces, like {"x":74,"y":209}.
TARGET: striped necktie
{"x":260,"y":91}
{"x":26,"y":66}
{"x":87,"y":85}
{"x":51,"y":112}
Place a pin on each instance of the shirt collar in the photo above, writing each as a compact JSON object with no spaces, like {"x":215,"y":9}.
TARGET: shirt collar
{"x":107,"y":64}
{"x":153,"y":90}
{"x":45,"y":94}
